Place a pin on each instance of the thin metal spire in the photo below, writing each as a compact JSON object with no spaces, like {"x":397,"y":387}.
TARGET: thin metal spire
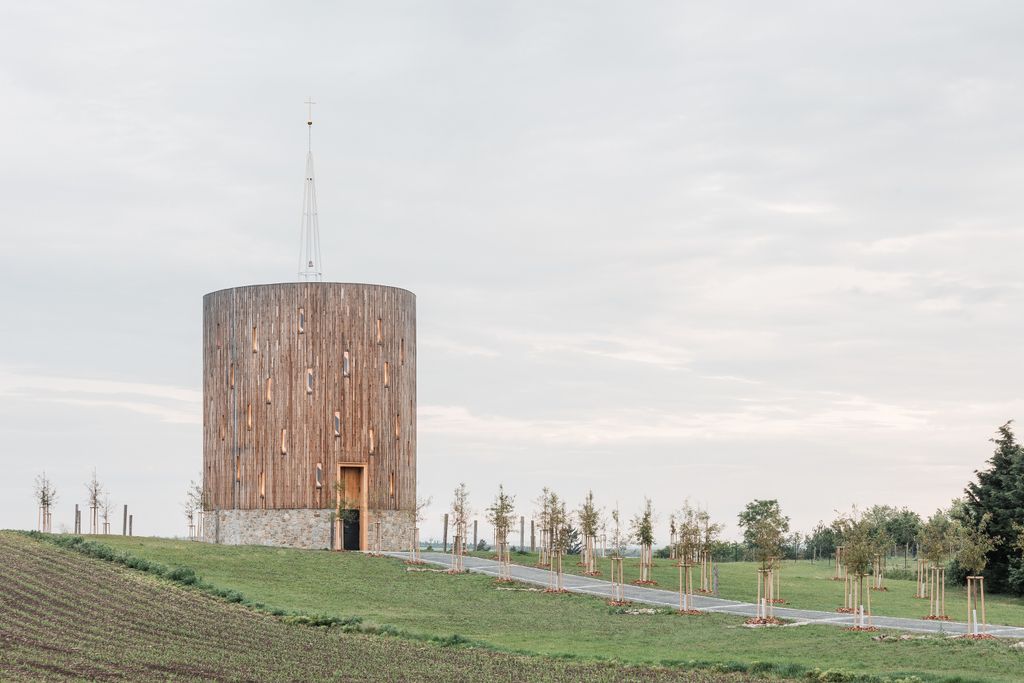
{"x":309,"y":235}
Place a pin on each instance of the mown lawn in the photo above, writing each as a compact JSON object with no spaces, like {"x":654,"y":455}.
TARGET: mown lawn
{"x":382,"y":591}
{"x":807,"y":585}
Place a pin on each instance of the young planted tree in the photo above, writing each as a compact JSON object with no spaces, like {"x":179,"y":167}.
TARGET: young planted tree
{"x":190,"y":516}
{"x":500,"y":515}
{"x":673,"y":531}
{"x":543,"y":519}
{"x":688,"y":548}
{"x":196,"y":500}
{"x":709,"y":537}
{"x":46,"y":497}
{"x":559,"y":526}
{"x":937,"y":537}
{"x":460,"y":520}
{"x":643,"y":531}
{"x":859,"y":550}
{"x":419,"y":514}
{"x":105,"y":508}
{"x":764,"y":527}
{"x":95,"y":491}
{"x":590,"y":519}
{"x":973,"y":545}
{"x":619,"y":541}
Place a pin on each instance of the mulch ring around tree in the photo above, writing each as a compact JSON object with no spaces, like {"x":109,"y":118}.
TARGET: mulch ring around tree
{"x":638,"y":582}
{"x":942,"y":617}
{"x":861,"y":628}
{"x":978,"y":636}
{"x":777,"y":601}
{"x":763,"y":621}
{"x":555,"y":590}
{"x":618,"y":603}
{"x":690,"y":612}
{"x":845,"y":610}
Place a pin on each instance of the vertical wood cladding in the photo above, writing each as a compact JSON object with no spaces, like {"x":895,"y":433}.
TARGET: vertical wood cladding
{"x":276,"y":391}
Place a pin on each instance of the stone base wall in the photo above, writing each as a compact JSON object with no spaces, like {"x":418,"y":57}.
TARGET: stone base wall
{"x":301,"y":528}
{"x":395,"y":529}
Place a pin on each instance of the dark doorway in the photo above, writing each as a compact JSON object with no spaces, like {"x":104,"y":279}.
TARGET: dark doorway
{"x":350,"y":535}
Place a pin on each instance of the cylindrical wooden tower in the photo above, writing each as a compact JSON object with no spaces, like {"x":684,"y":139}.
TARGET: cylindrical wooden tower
{"x":309,"y":400}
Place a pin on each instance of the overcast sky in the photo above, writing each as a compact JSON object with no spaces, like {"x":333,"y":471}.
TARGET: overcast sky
{"x":713,"y":250}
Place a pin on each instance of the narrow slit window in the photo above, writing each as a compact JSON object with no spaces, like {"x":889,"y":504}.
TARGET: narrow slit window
{"x":255,"y":340}
{"x":248,"y":416}
{"x":319,"y":477}
{"x":284,"y":441}
{"x":401,"y":352}
{"x":391,"y":484}
{"x":309,"y":380}
{"x":238,"y":468}
{"x":263,"y":484}
{"x":302,"y":320}
{"x":346,"y":368}
{"x":398,"y":427}
{"x":231,"y":376}
{"x":218,"y":336}
{"x":380,"y":331}
{"x":337,"y":423}
{"x":373,"y":445}
{"x":387,"y":374}
{"x":270,"y":390}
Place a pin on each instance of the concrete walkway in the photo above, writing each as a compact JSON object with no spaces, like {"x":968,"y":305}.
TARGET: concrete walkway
{"x":666,"y":598}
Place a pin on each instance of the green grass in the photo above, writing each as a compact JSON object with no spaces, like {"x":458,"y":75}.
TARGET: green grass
{"x":806,"y":585}
{"x":382,"y":591}
{"x":67,"y":616}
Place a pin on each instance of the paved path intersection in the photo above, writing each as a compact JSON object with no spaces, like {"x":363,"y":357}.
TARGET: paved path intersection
{"x":666,"y":598}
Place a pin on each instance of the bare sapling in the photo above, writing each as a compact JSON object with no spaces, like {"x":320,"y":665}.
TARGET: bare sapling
{"x":196,"y":499}
{"x":618,"y":542}
{"x":544,"y":526}
{"x":460,"y":518}
{"x":673,"y":539}
{"x":501,"y":515}
{"x":559,"y":532}
{"x":105,"y":509}
{"x":643,"y":531}
{"x":419,"y":515}
{"x":95,"y":491}
{"x":46,"y":497}
{"x":590,"y":520}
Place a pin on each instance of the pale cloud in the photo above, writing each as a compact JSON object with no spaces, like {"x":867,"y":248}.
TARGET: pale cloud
{"x":172,"y":404}
{"x":456,"y":347}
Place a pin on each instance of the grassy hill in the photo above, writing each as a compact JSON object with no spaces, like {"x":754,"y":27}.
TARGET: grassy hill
{"x":382,"y":591}
{"x":65,"y":616}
